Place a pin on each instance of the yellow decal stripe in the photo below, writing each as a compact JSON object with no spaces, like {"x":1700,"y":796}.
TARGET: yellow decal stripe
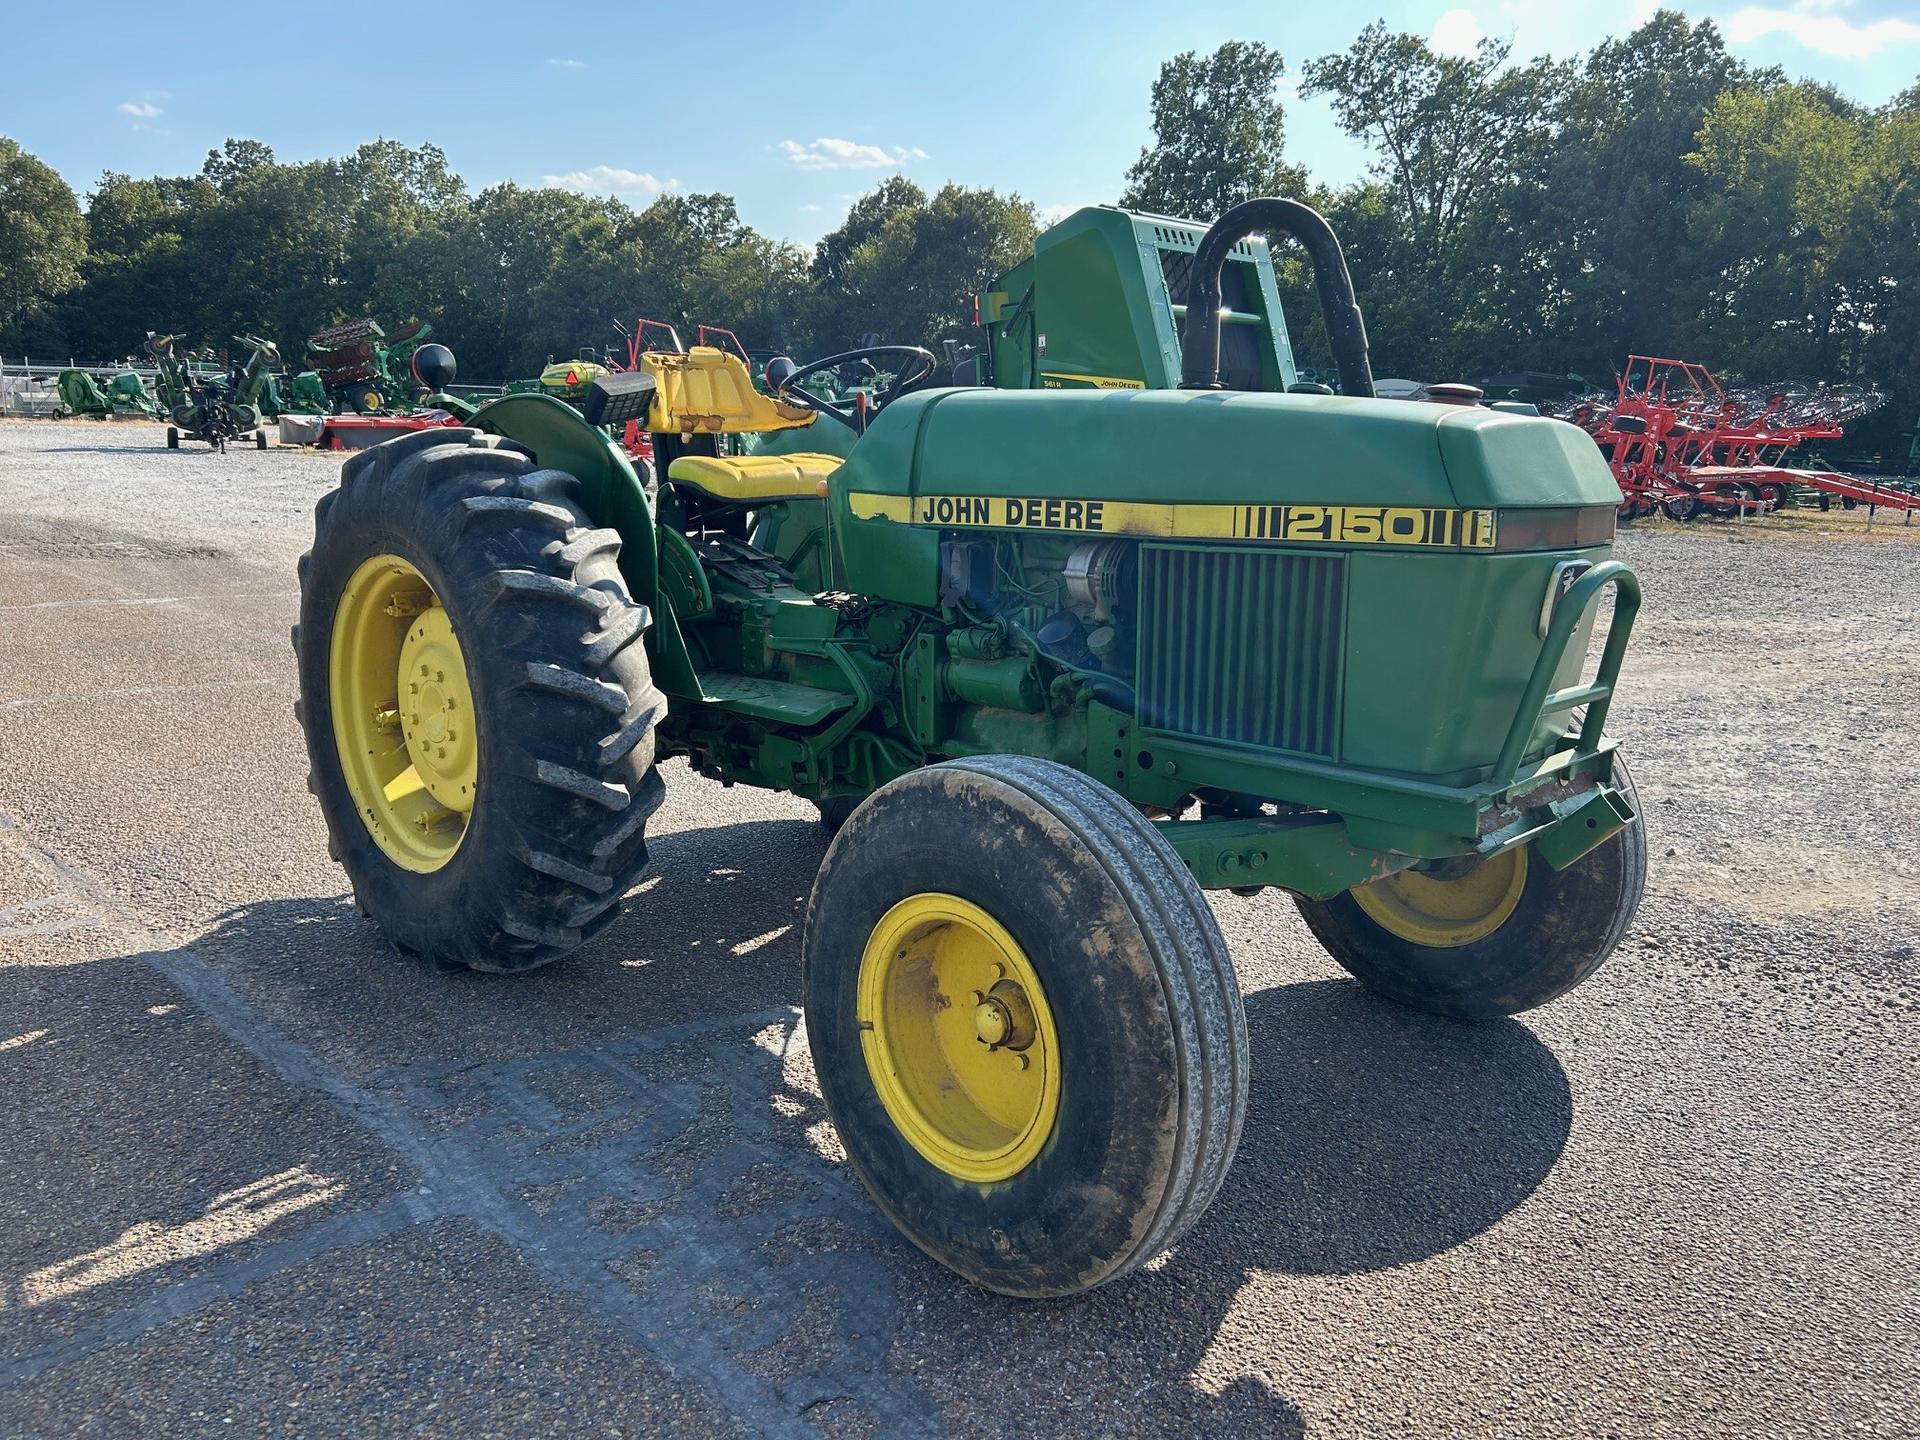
{"x":1288,"y":524}
{"x":1060,"y":379}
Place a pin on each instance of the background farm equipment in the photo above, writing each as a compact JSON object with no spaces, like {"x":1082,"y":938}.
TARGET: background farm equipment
{"x":259,"y":384}
{"x":363,"y":369}
{"x":201,"y":401}
{"x":567,"y":380}
{"x":81,"y":394}
{"x":1677,"y":441}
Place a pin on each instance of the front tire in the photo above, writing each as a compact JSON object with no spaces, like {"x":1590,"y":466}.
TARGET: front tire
{"x":479,"y":711}
{"x":1499,"y":937}
{"x":1025,"y":1023}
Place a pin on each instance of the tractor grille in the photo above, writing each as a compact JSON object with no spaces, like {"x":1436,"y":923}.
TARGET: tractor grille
{"x":1243,"y":646}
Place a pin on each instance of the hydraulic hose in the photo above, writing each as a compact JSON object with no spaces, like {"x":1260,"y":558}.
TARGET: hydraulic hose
{"x":1346,"y":332}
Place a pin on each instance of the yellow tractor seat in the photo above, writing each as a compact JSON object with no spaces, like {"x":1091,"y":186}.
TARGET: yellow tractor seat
{"x":708,"y":392}
{"x":744,"y":479}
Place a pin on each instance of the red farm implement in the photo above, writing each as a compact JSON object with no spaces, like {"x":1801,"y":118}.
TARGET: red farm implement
{"x":1679,"y":442}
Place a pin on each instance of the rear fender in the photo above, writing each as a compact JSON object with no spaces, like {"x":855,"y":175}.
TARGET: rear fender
{"x":610,"y":490}
{"x":613,"y":496}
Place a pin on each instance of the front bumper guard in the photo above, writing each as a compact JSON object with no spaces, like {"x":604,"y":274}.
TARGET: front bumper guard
{"x":1359,"y":826}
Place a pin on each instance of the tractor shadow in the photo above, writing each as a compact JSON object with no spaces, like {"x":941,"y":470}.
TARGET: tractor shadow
{"x":644,"y":1123}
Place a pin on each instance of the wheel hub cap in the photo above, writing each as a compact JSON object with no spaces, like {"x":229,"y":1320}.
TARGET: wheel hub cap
{"x":959,"y":1041}
{"x":436,"y":710}
{"x":403,"y":714}
{"x":1442,"y":909}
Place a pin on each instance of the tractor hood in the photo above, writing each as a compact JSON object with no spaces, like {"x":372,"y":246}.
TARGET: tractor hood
{"x":1189,"y":448}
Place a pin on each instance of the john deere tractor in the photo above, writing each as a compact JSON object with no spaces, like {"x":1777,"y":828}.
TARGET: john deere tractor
{"x":1053,"y":663}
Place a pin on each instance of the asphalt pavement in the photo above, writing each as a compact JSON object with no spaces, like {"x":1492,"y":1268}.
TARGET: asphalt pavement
{"x":261,"y":1175}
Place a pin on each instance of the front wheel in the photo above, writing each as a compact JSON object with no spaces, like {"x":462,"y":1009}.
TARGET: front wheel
{"x":1477,"y":940}
{"x":1025,"y":1023}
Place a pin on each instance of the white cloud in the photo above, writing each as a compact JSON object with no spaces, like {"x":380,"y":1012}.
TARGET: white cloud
{"x":1053,"y":214}
{"x":1456,"y":33}
{"x":609,"y":180}
{"x":1813,"y":24}
{"x":829,"y":154}
{"x":568,"y":64}
{"x":140,"y":109}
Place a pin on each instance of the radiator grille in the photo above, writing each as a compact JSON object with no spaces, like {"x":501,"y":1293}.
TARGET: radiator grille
{"x":1243,"y":646}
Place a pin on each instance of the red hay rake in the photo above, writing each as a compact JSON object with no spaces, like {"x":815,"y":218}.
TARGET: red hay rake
{"x":1679,"y":442}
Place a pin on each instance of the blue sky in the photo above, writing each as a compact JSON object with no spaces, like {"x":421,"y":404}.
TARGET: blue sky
{"x":793,"y":108}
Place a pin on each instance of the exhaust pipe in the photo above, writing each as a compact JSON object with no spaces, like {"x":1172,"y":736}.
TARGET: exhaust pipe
{"x":1200,"y":353}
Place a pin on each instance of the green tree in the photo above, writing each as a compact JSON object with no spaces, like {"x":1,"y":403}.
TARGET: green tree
{"x":1218,"y":134}
{"x":866,"y":217}
{"x":1462,"y":142}
{"x":234,"y":161}
{"x":1452,"y":130}
{"x":913,"y":278}
{"x":1615,"y":270}
{"x":43,"y":236}
{"x":1784,"y":275}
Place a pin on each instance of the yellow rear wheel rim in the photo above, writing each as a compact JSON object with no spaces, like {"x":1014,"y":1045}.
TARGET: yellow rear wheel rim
{"x":403,"y":714}
{"x":958,"y":1037}
{"x":1443,"y":913}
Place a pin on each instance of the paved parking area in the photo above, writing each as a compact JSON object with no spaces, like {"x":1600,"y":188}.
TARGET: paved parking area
{"x":258,"y":1174}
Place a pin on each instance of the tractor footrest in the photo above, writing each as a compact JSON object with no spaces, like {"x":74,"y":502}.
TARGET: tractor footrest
{"x":781,"y":701}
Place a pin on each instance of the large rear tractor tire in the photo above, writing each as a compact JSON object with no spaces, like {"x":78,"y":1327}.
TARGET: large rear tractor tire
{"x":1025,"y":1023}
{"x":1493,"y":938}
{"x":479,"y":711}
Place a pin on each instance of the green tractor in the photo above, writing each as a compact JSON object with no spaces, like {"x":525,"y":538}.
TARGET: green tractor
{"x":1052,"y":663}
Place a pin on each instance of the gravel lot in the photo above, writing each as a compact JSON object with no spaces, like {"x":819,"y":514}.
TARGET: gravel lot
{"x":259,"y":1175}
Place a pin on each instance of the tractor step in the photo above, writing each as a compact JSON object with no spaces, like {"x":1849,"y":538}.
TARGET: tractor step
{"x":776,"y":700}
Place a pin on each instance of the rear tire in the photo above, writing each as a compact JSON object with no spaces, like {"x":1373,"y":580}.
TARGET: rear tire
{"x":564,"y":709}
{"x":1148,"y":1035}
{"x":1563,"y":925}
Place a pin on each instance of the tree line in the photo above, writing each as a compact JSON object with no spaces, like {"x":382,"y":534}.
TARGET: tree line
{"x":510,"y":277}
{"x":1658,"y":195}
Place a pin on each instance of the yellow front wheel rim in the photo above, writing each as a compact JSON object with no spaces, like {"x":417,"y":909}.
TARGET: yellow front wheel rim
{"x":958,"y":1037}
{"x":403,"y":714}
{"x":1445,"y":912}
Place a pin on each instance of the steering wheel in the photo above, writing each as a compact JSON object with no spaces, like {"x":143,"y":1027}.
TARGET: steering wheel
{"x":915,"y":369}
